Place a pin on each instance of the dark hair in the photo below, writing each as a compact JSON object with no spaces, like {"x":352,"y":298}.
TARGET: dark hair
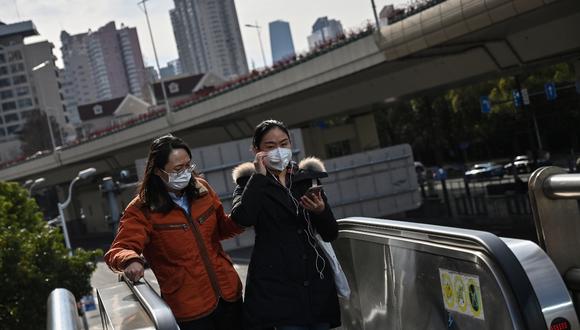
{"x":264,"y":127}
{"x":153,"y":193}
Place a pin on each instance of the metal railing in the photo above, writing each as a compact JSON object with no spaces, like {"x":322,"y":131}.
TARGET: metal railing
{"x":552,"y":193}
{"x":134,"y":305}
{"x":156,"y":308}
{"x":555,"y":202}
{"x":62,"y":311}
{"x":562,"y":186}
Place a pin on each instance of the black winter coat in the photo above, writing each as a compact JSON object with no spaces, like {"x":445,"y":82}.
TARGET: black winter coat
{"x":283,"y":286}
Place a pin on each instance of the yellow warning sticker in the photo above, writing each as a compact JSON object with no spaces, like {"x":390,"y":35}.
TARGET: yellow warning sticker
{"x":461,"y":293}
{"x":447,"y":288}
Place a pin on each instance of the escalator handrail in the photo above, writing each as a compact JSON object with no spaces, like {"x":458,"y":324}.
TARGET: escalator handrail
{"x":562,"y":186}
{"x":62,"y":311}
{"x":487,"y":243}
{"x":156,"y":308}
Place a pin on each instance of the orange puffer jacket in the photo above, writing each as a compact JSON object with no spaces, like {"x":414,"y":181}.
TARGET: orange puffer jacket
{"x":184,"y":252}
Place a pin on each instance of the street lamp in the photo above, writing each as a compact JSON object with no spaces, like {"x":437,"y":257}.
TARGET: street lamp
{"x":33,"y":184}
{"x":376,"y":16}
{"x":84,"y":174}
{"x":36,"y":68}
{"x":161,"y":80}
{"x":258,"y":28}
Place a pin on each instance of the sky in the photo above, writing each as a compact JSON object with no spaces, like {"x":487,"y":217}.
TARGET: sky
{"x":78,"y":16}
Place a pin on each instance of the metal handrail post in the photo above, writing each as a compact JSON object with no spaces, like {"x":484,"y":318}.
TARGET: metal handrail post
{"x":62,"y":311}
{"x":556,"y":214}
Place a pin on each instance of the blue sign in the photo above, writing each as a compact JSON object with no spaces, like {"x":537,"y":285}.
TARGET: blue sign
{"x":440,"y":174}
{"x":550,"y":89}
{"x":578,"y":86}
{"x":517,"y":96}
{"x":322,"y":124}
{"x":485,"y":104}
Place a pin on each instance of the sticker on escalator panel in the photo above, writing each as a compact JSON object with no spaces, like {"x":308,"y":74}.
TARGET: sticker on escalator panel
{"x":461,"y":293}
{"x":447,"y":288}
{"x":474,"y":294}
{"x":459,"y":289}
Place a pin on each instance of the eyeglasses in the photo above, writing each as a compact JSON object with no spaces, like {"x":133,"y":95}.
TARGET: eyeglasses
{"x":188,"y":168}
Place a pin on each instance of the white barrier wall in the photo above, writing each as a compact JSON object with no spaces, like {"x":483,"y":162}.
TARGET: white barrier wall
{"x":374,"y":183}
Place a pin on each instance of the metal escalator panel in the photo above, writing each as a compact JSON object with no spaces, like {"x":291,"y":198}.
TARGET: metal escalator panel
{"x":546,"y":280}
{"x":127,"y":305}
{"x":414,"y":276}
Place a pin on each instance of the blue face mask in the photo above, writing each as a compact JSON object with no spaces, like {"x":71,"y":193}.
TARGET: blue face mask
{"x":279,"y":158}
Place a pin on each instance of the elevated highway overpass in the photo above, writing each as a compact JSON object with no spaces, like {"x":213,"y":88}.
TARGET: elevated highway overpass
{"x":452,"y":44}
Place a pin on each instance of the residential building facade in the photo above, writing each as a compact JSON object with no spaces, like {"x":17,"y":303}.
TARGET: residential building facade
{"x":208,"y":37}
{"x":29,"y":82}
{"x":101,"y":65}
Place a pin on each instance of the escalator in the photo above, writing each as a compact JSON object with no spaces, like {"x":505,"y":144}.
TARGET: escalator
{"x":406,"y":275}
{"x":415,"y":276}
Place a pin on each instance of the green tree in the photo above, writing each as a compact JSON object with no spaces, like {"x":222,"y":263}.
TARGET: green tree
{"x":34,"y":261}
{"x":436,"y":126}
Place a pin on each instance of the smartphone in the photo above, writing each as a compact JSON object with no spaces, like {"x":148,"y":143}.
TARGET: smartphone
{"x":313,"y":191}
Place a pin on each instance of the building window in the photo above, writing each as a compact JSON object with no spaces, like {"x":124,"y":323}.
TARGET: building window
{"x":98,"y":109}
{"x":13,"y":129}
{"x":2,"y":58}
{"x":6,"y":94}
{"x":24,"y":103}
{"x":11,"y":118}
{"x":7,"y":106}
{"x":22,"y":90}
{"x":2,"y":132}
{"x":3,"y":70}
{"x":19,"y":79}
{"x":18,"y":67}
{"x":337,"y":149}
{"x":14,"y":56}
{"x":5,"y":82}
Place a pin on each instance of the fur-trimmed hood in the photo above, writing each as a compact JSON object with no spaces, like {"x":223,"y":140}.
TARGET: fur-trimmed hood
{"x":311,"y":164}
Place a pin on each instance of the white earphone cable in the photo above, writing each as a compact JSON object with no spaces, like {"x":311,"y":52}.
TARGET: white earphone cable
{"x":319,"y":262}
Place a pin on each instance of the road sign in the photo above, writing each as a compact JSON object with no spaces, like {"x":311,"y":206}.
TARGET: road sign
{"x":525,"y":96}
{"x":551,"y":93}
{"x":485,"y":104}
{"x":517,"y":96}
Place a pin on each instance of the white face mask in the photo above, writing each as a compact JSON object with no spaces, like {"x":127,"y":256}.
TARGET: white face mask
{"x":179,"y":180}
{"x":279,"y":158}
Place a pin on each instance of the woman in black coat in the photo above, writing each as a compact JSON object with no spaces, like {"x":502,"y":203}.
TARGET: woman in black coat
{"x":290,"y":283}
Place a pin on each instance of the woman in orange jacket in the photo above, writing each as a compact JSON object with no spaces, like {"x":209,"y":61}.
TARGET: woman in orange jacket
{"x":177,"y":222}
